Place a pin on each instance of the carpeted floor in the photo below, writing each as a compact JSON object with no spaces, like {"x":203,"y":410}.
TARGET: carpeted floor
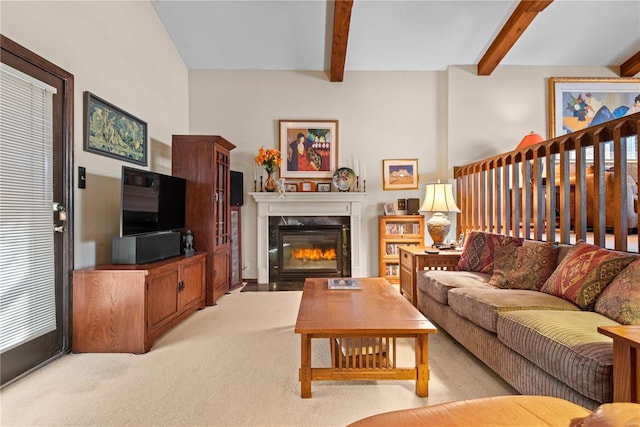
{"x":274,"y":286}
{"x":233,"y":364}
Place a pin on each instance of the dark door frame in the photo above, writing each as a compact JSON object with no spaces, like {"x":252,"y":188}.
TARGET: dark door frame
{"x":64,"y":257}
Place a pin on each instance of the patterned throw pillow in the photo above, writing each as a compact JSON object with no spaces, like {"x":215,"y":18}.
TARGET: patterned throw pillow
{"x":478,"y":252}
{"x":524,"y":267}
{"x":620,"y":301}
{"x":584,"y":273}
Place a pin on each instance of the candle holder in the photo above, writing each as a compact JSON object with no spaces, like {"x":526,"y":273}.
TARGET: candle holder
{"x":255,"y":185}
{"x":261,"y":188}
{"x":364,"y":185}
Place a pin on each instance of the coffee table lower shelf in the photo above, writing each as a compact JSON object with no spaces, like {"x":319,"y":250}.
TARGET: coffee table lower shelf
{"x":365,"y":366}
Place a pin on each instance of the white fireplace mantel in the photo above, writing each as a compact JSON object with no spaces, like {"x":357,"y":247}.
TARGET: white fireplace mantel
{"x":310,"y":204}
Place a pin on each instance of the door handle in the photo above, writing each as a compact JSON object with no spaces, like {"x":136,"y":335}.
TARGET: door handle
{"x":62,"y":216}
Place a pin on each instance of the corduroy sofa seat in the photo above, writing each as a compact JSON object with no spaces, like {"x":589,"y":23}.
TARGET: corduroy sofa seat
{"x":539,"y":343}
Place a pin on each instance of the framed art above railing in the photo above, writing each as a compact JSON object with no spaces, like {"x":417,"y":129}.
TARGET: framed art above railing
{"x":576,"y":103}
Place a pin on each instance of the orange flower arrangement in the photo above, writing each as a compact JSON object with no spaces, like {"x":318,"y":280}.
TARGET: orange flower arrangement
{"x":269,"y":159}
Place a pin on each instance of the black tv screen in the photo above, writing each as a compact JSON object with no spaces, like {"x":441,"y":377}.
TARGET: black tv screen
{"x":151,"y":202}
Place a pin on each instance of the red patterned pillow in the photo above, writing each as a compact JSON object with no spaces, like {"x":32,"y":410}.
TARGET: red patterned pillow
{"x":584,"y":273}
{"x":478,"y":252}
{"x":524,"y":267}
{"x":620,"y":301}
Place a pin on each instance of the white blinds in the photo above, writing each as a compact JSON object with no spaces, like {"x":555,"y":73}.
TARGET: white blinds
{"x":27,"y":291}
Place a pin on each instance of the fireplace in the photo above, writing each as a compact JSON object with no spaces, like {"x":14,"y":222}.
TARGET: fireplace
{"x":344,"y":205}
{"x":301,"y":247}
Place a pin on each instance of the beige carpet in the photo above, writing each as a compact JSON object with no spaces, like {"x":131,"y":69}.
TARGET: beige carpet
{"x":235,"y":364}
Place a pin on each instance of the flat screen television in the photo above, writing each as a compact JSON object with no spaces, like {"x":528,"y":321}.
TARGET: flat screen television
{"x":151,"y":202}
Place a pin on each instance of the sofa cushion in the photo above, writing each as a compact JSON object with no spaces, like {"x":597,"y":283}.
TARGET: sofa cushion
{"x":437,"y":283}
{"x":584,"y":273}
{"x":524,"y":267}
{"x":620,"y":301}
{"x":478,"y":251}
{"x":565,"y":344}
{"x":482,"y":305}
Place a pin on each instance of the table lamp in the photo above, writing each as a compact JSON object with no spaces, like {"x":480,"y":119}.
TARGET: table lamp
{"x":439,"y":199}
{"x":530,"y":139}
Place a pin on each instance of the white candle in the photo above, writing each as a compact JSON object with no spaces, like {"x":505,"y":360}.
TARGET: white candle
{"x":364,"y":170}
{"x":356,"y":166}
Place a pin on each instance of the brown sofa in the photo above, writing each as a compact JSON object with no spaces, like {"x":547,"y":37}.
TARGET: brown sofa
{"x":539,"y":343}
{"x":630,"y":209}
{"x":520,"y":411}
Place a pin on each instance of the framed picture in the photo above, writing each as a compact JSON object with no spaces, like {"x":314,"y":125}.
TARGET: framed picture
{"x":576,"y":103}
{"x":307,"y":186}
{"x":389,"y":208}
{"x":309,"y":148}
{"x":112,"y":132}
{"x":323,"y":187}
{"x":290,"y":188}
{"x":400,"y":174}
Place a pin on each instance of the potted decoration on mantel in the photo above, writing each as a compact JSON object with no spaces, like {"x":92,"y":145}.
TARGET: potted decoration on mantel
{"x":270,"y":160}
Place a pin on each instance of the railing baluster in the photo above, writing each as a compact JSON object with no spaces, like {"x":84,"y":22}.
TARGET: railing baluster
{"x":506,"y":193}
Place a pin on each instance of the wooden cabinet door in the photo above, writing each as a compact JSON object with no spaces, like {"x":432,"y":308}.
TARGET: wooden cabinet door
{"x":192,"y":277}
{"x":221,"y":272}
{"x":162,"y":297}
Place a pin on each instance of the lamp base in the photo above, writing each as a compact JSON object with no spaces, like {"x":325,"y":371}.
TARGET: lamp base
{"x":438,"y":227}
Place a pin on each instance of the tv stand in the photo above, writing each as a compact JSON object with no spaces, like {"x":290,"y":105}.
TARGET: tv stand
{"x":125,"y":308}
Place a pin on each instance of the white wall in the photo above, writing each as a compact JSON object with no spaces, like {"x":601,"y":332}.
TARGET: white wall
{"x":489,"y":115}
{"x":382,"y":115}
{"x":120,"y":52}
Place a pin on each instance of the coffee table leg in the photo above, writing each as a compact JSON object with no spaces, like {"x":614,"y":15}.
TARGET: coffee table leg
{"x":422,"y":365}
{"x":305,"y":370}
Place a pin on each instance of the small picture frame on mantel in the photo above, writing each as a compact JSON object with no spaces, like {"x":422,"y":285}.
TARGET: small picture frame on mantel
{"x":291,"y":188}
{"x":323,"y":187}
{"x":306,"y":186}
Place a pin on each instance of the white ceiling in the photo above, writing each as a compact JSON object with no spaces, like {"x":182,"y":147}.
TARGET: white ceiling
{"x":392,"y":35}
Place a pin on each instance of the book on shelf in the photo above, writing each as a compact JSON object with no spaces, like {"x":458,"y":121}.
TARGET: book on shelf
{"x":344,"y":283}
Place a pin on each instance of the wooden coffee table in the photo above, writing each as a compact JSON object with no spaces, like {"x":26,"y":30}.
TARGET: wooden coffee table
{"x":362,"y":325}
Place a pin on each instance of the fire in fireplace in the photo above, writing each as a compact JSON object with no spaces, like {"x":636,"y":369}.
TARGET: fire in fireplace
{"x":301,"y":247}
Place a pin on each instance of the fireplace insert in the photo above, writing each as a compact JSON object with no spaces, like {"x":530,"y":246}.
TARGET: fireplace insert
{"x":309,"y":249}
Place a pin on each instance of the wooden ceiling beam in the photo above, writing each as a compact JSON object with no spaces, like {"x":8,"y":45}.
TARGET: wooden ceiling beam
{"x":515,"y":26}
{"x":341,"y":22}
{"x":631,"y":67}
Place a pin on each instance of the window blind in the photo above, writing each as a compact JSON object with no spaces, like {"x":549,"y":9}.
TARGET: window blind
{"x":27,"y":279}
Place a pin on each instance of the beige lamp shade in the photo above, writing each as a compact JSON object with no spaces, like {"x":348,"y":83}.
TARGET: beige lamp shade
{"x":438,"y":199}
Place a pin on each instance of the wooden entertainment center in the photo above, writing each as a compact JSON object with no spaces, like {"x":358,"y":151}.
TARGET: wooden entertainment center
{"x":122,"y":308}
{"x":204,"y":161}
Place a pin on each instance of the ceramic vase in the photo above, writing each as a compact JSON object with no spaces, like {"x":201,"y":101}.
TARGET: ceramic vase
{"x":270,"y":184}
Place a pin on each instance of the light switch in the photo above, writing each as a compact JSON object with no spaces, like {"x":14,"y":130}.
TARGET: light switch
{"x":82,"y":177}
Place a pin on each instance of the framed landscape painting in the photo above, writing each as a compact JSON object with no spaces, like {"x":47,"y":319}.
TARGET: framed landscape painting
{"x":576,"y":103}
{"x":309,"y":148}
{"x":400,"y":174}
{"x":112,"y":132}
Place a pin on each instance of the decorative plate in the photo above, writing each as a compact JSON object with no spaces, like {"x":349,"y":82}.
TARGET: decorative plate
{"x":344,"y":179}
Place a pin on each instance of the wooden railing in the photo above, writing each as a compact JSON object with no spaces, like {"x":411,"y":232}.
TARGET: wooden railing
{"x":508,"y":193}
